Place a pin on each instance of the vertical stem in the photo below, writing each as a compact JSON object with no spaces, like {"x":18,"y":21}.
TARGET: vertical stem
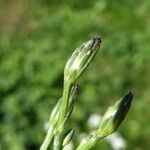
{"x":63,"y":112}
{"x":64,"y":105}
{"x":48,"y":138}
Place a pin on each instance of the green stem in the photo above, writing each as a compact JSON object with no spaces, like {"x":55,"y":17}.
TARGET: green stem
{"x":48,"y":139}
{"x":89,"y":142}
{"x":87,"y":145}
{"x":63,"y":112}
{"x":64,"y":105}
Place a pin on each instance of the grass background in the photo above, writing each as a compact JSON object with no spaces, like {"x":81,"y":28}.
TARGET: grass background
{"x":37,"y":37}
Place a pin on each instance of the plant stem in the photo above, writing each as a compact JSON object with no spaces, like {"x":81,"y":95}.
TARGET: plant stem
{"x":48,"y":138}
{"x":64,"y":105}
{"x":89,"y":142}
{"x":63,"y":112}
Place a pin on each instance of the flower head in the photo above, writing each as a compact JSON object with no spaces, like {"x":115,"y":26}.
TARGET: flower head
{"x":114,"y":116}
{"x":81,"y":58}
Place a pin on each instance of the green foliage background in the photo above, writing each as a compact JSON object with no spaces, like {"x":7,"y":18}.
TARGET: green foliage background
{"x":37,"y":37}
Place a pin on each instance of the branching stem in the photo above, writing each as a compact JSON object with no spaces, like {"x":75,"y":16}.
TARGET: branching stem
{"x":48,"y":138}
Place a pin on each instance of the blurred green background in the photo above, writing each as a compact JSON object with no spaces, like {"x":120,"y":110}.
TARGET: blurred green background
{"x":37,"y":37}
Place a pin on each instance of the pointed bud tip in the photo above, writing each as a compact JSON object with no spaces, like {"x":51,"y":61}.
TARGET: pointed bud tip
{"x":130,"y":94}
{"x":126,"y":102}
{"x":68,"y":136}
{"x":96,"y":43}
{"x":128,"y":97}
{"x":97,"y":38}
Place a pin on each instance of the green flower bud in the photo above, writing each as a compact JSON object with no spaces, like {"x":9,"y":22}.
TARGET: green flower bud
{"x":114,"y":116}
{"x":80,"y":59}
{"x":67,"y":137}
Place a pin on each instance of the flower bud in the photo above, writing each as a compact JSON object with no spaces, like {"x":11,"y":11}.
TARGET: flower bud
{"x":67,"y":137}
{"x":114,"y":116}
{"x":80,"y":59}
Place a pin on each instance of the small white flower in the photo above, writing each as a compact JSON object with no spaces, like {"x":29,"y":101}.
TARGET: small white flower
{"x":46,"y":126}
{"x":94,"y":121}
{"x":116,"y":141}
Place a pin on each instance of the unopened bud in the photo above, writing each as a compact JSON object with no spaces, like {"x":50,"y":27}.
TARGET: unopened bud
{"x":114,"y":116}
{"x":81,"y":58}
{"x":68,"y":136}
